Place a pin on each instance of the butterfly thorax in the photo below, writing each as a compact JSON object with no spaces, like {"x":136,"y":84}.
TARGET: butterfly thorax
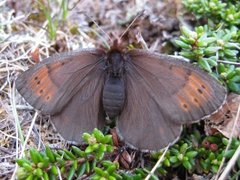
{"x":114,"y":87}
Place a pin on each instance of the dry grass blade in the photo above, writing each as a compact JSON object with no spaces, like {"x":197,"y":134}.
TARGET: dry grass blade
{"x":235,"y":156}
{"x":157,"y":164}
{"x":23,"y":148}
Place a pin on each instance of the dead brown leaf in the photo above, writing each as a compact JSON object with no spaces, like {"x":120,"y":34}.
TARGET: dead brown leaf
{"x":223,"y":121}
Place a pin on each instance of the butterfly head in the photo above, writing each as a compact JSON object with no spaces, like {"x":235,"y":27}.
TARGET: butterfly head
{"x":115,"y":60}
{"x":115,"y":63}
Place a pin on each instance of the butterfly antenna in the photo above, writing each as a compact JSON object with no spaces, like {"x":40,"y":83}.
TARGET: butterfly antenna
{"x":106,"y":34}
{"x":139,"y":14}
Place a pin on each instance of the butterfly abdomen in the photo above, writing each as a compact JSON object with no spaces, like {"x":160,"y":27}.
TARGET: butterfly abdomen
{"x":113,"y":96}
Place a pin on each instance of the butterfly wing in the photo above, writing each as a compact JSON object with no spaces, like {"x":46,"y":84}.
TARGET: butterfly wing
{"x":163,"y":93}
{"x":68,"y":87}
{"x":50,"y":84}
{"x":84,"y":111}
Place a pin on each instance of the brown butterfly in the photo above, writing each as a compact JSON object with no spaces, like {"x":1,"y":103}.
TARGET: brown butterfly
{"x":151,"y":94}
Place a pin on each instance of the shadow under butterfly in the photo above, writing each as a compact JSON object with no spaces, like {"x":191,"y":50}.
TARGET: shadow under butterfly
{"x":152,"y":94}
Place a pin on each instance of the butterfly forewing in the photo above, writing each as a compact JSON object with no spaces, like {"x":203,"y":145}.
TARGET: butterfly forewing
{"x":178,"y":86}
{"x":68,"y":87}
{"x":50,"y":84}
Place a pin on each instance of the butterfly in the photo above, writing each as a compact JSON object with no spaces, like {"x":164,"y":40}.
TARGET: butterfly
{"x":152,"y":94}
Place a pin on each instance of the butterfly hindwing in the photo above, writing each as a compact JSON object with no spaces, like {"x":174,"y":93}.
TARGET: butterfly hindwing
{"x":84,"y":111}
{"x":141,"y":124}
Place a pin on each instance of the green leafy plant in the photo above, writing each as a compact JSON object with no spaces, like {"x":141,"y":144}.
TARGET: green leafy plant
{"x":196,"y":153}
{"x":53,"y":23}
{"x":213,"y":50}
{"x":215,"y":45}
{"x":49,"y":164}
{"x":215,"y":11}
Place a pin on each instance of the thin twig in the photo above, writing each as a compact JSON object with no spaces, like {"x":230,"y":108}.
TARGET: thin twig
{"x":229,"y":62}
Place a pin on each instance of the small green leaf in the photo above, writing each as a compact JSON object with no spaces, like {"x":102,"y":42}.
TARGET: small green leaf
{"x":225,"y":141}
{"x":38,"y":172}
{"x":20,"y":162}
{"x":166,"y":162}
{"x":111,"y":169}
{"x":65,"y":155}
{"x":204,"y":65}
{"x":117,"y":176}
{"x":54,"y":170}
{"x":230,"y":53}
{"x":81,"y":170}
{"x":98,"y":135}
{"x":188,"y":54}
{"x":71,"y":173}
{"x":209,"y":40}
{"x":191,"y":154}
{"x":229,"y":45}
{"x":89,"y":149}
{"x":187,"y":165}
{"x":107,"y":139}
{"x":229,"y":153}
{"x":45,"y":176}
{"x":111,"y":178}
{"x":27,"y":167}
{"x":78,"y":151}
{"x":99,"y":171}
{"x":95,"y":146}
{"x":183,"y":44}
{"x":201,"y":43}
{"x":75,"y":164}
{"x":235,"y":79}
{"x":221,"y":68}
{"x":212,"y":62}
{"x":238,"y":163}
{"x":40,"y":165}
{"x":35,"y":156}
{"x":231,"y":74}
{"x":88,"y":169}
{"x":211,"y":50}
{"x":21,"y":173}
{"x":30,"y":177}
{"x":235,"y":87}
{"x":60,"y":161}
{"x":211,"y":156}
{"x":183,"y":148}
{"x":173,"y":159}
{"x":69,"y":154}
{"x":107,"y":163}
{"x":86,"y":136}
{"x":50,"y":154}
{"x":238,"y":70}
{"x":110,"y":148}
{"x":185,"y":31}
{"x":102,"y":148}
{"x":214,"y":168}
